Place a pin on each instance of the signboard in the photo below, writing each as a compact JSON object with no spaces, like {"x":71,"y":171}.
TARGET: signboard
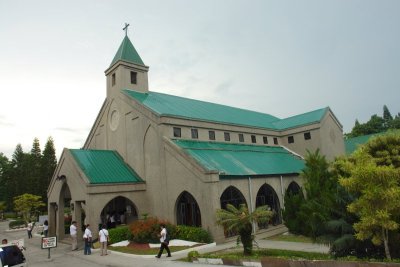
{"x":49,"y":242}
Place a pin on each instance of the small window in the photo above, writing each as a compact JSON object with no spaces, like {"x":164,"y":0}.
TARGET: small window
{"x":211,"y":135}
{"x":290,"y":139}
{"x":307,"y":136}
{"x":195,"y":133}
{"x":275,"y":141}
{"x":253,"y":139}
{"x":227,"y":136}
{"x":133,"y":77}
{"x":241,"y":138}
{"x":265,"y":140}
{"x":177,"y":132}
{"x":113,"y":79}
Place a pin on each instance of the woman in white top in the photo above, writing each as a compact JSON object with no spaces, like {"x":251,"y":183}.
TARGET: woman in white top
{"x":103,"y":238}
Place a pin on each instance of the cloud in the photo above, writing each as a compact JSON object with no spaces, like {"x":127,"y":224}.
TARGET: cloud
{"x":5,"y":122}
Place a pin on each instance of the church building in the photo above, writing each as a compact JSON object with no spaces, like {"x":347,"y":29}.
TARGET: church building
{"x":179,"y":159}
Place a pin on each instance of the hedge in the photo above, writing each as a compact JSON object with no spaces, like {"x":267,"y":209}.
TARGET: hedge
{"x":191,"y":233}
{"x":118,"y":234}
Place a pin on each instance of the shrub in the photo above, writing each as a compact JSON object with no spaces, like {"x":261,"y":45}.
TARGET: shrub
{"x":191,"y":233}
{"x":118,"y":234}
{"x":192,"y":255}
{"x":147,"y":230}
{"x":16,"y":224}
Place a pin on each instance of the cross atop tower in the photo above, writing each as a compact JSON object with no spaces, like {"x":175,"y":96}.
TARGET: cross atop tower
{"x":126,"y":29}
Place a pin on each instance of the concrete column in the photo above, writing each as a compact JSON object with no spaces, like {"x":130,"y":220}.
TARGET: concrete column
{"x":77,"y":216}
{"x":60,"y":232}
{"x":52,"y":211}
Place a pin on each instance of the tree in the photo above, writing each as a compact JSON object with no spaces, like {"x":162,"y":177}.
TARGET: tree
{"x":34,"y":164}
{"x":49,"y":161}
{"x":241,"y":220}
{"x":316,"y":209}
{"x":28,"y":205}
{"x":387,"y":117}
{"x":375,"y":178}
{"x":4,"y":166}
{"x":293,"y":202}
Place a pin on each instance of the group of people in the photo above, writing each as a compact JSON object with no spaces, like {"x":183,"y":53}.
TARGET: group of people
{"x":31,"y":225}
{"x":88,"y":238}
{"x":104,"y":239}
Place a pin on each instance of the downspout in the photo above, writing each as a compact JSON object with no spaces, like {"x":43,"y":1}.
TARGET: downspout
{"x":283,"y":199}
{"x":251,"y":204}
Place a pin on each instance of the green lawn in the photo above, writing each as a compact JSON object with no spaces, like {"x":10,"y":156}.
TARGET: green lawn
{"x":262,"y":253}
{"x":291,"y":238}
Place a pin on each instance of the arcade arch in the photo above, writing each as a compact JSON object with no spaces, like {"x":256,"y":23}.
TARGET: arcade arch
{"x":119,"y":210}
{"x":267,"y":196}
{"x":232,"y":196}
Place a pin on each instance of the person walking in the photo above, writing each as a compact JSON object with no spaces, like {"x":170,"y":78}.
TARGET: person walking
{"x":87,"y":236}
{"x":45,"y":228}
{"x":164,"y":239}
{"x":29,"y":228}
{"x":103,"y":238}
{"x":73,"y":233}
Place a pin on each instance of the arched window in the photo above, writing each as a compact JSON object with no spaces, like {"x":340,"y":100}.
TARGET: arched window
{"x":293,"y":188}
{"x":267,"y":196}
{"x":232,"y":196}
{"x":187,"y":210}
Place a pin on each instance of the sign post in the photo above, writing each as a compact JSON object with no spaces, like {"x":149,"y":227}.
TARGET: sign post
{"x":49,"y":242}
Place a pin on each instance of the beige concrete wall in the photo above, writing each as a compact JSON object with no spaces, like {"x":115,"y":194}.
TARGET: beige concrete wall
{"x":332,"y":136}
{"x":122,"y":71}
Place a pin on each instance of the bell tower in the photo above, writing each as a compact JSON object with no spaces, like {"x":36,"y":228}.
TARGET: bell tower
{"x":127,"y":70}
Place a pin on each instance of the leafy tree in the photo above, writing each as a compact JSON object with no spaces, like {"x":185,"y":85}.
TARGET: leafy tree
{"x":241,"y":220}
{"x":28,"y":205}
{"x":375,"y":179}
{"x":376,"y":124}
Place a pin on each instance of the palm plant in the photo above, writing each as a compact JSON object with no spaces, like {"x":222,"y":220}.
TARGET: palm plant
{"x":241,"y":220}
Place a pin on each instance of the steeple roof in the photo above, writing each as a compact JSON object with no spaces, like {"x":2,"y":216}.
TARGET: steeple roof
{"x":127,"y":52}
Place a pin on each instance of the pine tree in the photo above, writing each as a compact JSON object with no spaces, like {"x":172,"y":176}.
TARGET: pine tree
{"x":4,"y":167}
{"x":16,"y":182}
{"x":387,"y":117}
{"x":49,"y":164}
{"x":34,"y":162}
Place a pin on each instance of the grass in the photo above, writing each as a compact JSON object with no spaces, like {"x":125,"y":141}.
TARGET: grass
{"x":291,"y":238}
{"x":262,"y":253}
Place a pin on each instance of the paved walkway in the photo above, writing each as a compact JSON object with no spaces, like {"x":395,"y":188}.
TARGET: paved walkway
{"x":262,"y":242}
{"x":62,"y":256}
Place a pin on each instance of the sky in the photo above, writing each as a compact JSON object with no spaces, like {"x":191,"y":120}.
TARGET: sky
{"x":278,"y":57}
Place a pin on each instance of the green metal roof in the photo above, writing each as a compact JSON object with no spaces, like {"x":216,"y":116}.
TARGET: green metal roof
{"x":242,"y":160}
{"x":305,"y":118}
{"x":104,"y":167}
{"x":174,"y":106}
{"x":351,"y":144}
{"x":127,"y":52}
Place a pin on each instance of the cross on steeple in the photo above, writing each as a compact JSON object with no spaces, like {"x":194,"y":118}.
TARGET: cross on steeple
{"x":126,"y":29}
